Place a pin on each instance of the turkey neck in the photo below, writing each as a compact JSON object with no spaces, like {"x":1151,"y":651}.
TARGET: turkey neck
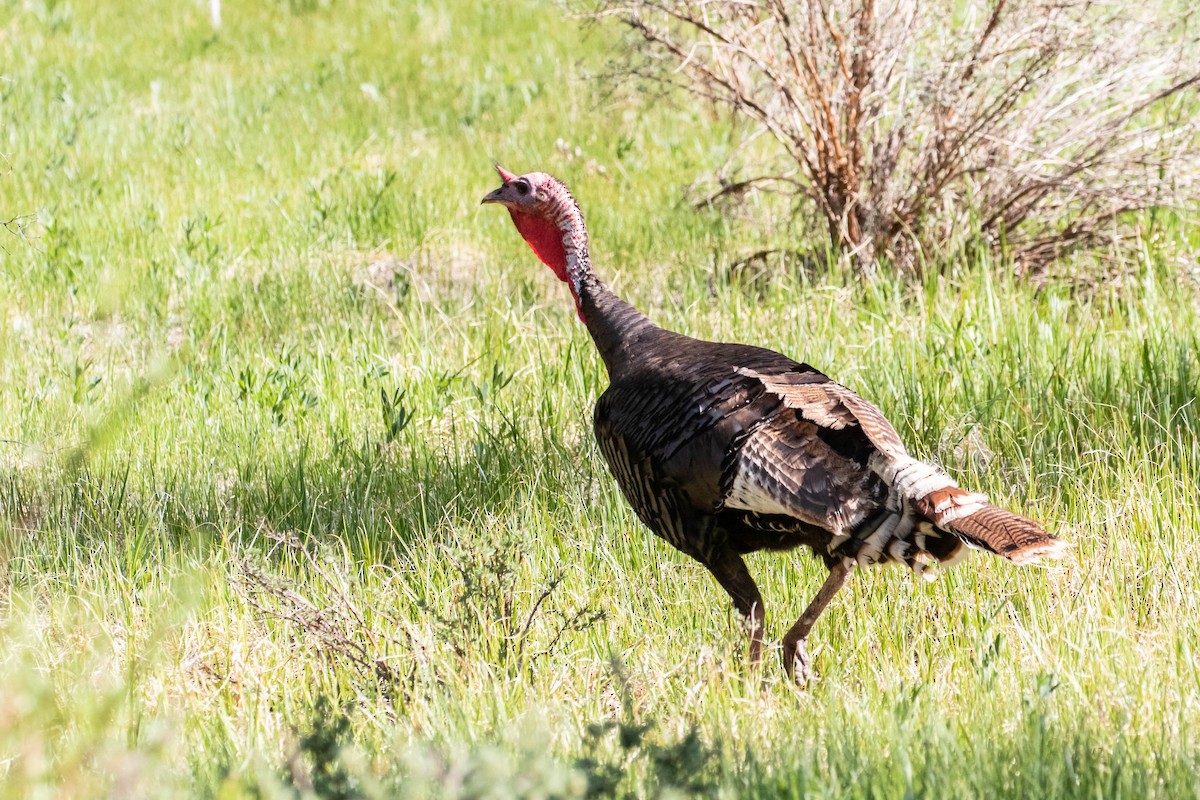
{"x":615,"y":325}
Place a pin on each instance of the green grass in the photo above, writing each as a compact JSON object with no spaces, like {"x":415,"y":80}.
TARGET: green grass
{"x":229,"y":568}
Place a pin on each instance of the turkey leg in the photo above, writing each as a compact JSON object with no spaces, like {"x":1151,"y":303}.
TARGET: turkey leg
{"x":795,"y":654}
{"x":730,"y":571}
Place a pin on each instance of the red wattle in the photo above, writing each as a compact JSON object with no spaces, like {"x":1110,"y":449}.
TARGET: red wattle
{"x":546,"y":241}
{"x":544,"y":237}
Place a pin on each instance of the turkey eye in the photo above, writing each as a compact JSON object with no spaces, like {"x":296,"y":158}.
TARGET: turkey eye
{"x":522,"y":187}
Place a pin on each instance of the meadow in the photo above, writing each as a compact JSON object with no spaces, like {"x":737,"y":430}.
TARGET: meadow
{"x":298,"y":491}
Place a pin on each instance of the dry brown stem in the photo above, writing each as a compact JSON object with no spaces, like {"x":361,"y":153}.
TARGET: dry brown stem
{"x":337,"y":628}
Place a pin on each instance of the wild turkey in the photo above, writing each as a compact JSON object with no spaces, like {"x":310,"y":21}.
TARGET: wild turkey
{"x":725,"y":449}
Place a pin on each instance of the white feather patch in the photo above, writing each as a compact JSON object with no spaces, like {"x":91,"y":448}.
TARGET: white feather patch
{"x":749,"y":495}
{"x":916,"y":479}
{"x":873,"y":545}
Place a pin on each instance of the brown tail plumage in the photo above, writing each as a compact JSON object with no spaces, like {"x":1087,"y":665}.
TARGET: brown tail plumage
{"x":1018,"y":539}
{"x":970,"y":517}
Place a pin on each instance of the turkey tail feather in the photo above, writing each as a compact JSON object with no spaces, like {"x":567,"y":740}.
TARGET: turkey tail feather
{"x":977,"y":522}
{"x":1018,"y":539}
{"x":968,"y":515}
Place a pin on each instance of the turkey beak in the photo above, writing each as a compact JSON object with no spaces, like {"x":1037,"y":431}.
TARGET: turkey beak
{"x":507,"y":177}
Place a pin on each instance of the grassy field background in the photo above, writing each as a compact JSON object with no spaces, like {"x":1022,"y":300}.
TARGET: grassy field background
{"x":298,"y":491}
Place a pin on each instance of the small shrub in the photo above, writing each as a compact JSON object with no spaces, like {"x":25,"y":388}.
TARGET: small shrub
{"x":336,"y":627}
{"x":908,"y":129}
{"x":491,"y":613}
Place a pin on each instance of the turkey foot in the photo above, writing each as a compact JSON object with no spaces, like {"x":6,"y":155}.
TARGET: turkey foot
{"x":795,"y":654}
{"x":797,"y":662}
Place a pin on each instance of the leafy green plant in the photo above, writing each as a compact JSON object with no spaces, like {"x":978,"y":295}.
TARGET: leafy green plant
{"x":199,"y":237}
{"x":284,"y":389}
{"x":317,"y":766}
{"x":685,"y":766}
{"x":396,"y":415}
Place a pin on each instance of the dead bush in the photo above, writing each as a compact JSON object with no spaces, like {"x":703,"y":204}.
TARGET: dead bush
{"x":908,"y":129}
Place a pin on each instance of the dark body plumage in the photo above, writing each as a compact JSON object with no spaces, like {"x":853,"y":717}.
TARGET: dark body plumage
{"x":726,"y":449}
{"x":674,"y":426}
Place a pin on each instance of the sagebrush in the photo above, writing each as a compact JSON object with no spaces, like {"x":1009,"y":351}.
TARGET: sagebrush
{"x":909,"y":129}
